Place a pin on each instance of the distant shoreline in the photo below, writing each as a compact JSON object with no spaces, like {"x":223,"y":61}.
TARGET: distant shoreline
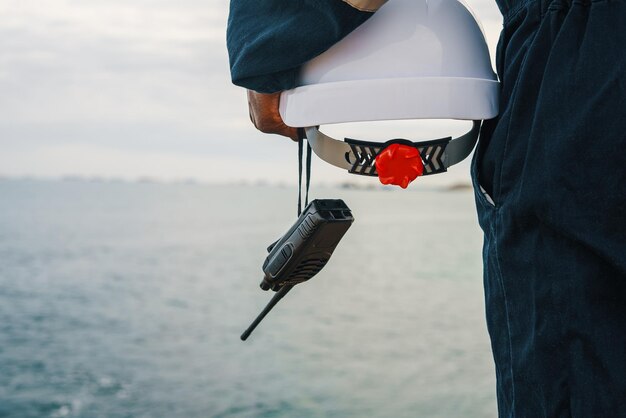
{"x":373,"y":186}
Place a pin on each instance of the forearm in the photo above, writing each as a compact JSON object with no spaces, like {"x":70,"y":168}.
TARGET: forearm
{"x":268,"y":40}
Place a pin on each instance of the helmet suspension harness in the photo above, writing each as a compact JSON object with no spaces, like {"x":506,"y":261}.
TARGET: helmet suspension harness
{"x":397,"y":161}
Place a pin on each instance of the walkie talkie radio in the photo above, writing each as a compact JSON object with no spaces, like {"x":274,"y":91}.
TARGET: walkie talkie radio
{"x":304,"y":250}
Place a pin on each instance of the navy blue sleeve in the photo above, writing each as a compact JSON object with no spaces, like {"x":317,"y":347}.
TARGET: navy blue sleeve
{"x":268,"y":40}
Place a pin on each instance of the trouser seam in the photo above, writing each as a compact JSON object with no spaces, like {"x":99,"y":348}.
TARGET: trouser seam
{"x":506,"y":308}
{"x":496,"y":194}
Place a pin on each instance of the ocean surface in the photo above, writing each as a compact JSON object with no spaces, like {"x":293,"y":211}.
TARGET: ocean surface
{"x":128,"y":299}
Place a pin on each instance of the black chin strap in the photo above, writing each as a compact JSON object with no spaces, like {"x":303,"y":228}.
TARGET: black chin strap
{"x":301,"y":139}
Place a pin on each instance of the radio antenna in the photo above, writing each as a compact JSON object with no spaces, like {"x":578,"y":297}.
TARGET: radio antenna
{"x":278,"y":296}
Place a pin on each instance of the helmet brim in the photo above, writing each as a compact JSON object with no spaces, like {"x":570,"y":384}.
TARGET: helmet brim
{"x":390,"y":99}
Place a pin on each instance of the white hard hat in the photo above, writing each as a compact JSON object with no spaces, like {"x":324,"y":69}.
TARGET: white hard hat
{"x":413,"y":59}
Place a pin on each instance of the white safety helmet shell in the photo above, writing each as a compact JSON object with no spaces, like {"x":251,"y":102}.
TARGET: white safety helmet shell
{"x":414,"y":59}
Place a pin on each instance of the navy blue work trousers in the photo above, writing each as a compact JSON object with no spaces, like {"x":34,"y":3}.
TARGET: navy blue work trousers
{"x":550,"y":181}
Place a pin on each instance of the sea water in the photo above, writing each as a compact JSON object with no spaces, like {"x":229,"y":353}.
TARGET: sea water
{"x":127,"y":300}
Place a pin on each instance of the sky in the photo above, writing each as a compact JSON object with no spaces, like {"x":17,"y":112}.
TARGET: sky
{"x":141,"y":89}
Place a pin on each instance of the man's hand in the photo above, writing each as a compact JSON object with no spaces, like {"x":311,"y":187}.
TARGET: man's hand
{"x":265,"y":116}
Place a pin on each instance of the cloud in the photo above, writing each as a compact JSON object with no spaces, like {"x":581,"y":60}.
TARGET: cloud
{"x":142,"y":82}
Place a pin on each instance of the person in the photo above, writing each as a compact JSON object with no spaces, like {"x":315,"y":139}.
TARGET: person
{"x":549,"y":178}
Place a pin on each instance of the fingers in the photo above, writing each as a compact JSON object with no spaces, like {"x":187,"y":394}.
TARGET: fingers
{"x":265,"y":116}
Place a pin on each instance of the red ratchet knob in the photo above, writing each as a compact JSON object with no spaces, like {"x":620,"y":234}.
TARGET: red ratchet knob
{"x":399,"y":165}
